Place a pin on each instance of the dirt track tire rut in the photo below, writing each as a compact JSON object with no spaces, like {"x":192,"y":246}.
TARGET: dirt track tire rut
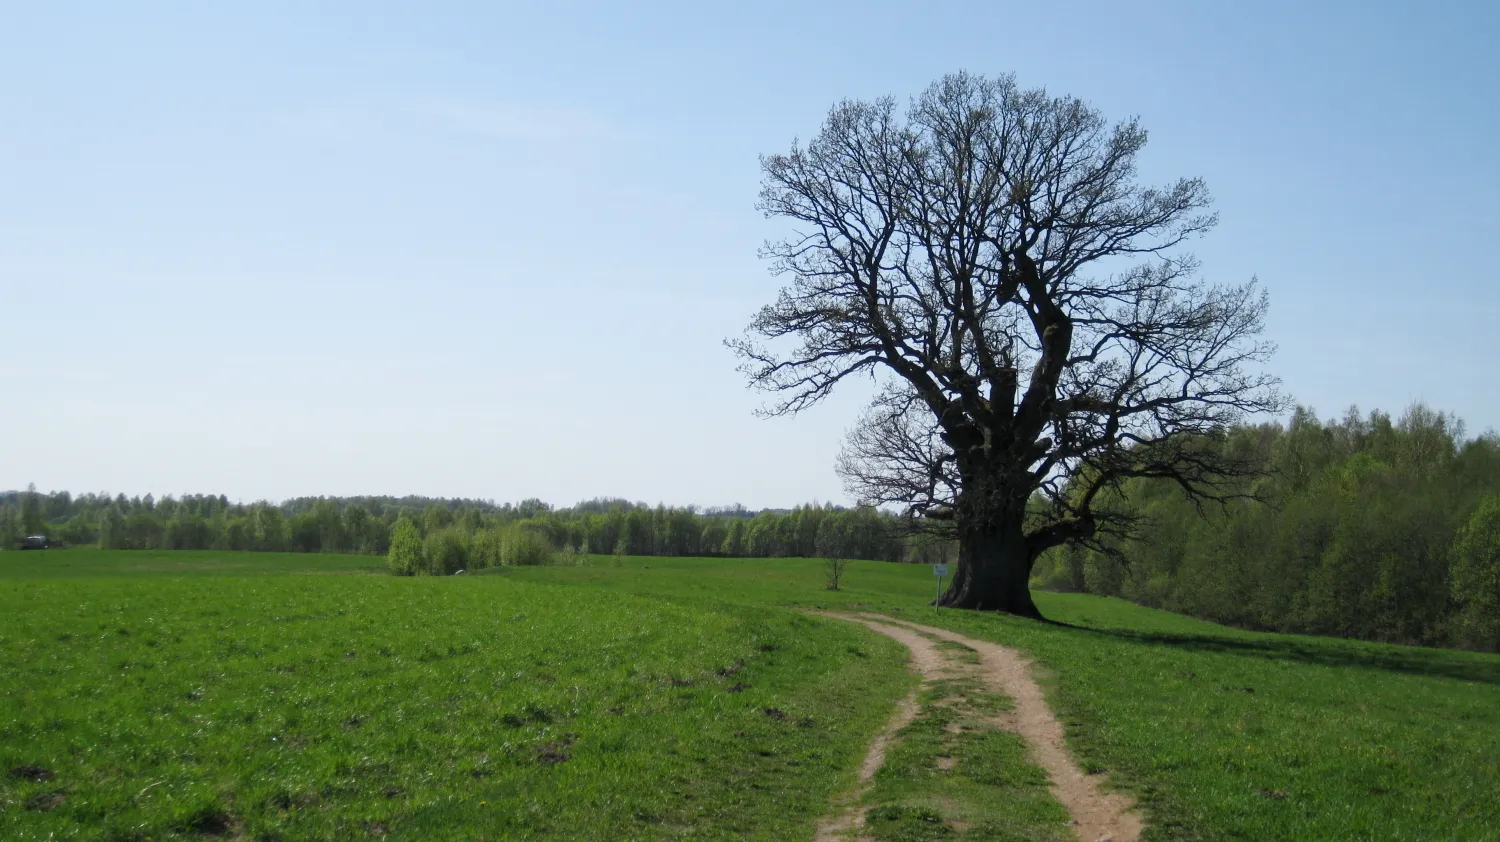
{"x":1098,"y":815}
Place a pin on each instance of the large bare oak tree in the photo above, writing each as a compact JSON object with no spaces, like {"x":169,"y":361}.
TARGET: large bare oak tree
{"x":989,"y":255}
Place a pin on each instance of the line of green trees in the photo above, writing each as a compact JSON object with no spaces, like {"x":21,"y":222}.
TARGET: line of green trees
{"x":453,"y":549}
{"x":1366,"y":527}
{"x":1370,"y":528}
{"x":366,"y":524}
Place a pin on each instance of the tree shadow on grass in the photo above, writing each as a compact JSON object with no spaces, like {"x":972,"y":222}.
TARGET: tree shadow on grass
{"x":1330,"y":652}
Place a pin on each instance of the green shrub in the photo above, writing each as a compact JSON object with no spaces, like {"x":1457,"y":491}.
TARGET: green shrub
{"x":1476,"y":577}
{"x":1102,"y":574}
{"x":406,"y":556}
{"x":514,"y":543}
{"x":1061,"y":569}
{"x":447,"y":551}
{"x":486,"y":549}
{"x":520,"y":545}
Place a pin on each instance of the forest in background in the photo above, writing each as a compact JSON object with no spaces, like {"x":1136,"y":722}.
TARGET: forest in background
{"x":366,"y":524}
{"x":1363,"y":527}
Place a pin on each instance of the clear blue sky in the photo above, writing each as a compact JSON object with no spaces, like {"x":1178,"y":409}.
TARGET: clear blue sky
{"x":491,"y":250}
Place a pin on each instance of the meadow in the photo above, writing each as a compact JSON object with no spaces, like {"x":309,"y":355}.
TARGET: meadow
{"x":159,"y":706}
{"x":1220,"y":733}
{"x":169,"y":695}
{"x":88,"y":562}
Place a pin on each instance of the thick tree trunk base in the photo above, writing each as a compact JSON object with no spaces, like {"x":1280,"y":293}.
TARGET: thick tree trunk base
{"x":994,"y":572}
{"x":1020,"y":604}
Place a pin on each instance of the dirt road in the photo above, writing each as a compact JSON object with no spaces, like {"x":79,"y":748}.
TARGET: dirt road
{"x":1098,"y":815}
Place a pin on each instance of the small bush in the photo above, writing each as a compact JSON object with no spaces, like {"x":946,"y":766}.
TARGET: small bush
{"x":406,"y":555}
{"x":447,"y":551}
{"x":1476,"y":577}
{"x":510,"y":544}
{"x":1061,"y":569}
{"x":486,"y":549}
{"x":524,"y":546}
{"x":834,"y":570}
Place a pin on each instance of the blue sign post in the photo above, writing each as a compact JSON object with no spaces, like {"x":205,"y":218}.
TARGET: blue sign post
{"x":938,"y":570}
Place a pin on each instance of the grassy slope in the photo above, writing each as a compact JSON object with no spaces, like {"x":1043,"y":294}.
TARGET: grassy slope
{"x":87,"y":563}
{"x":1338,"y":740}
{"x":295,"y":707}
{"x":1223,"y":734}
{"x":1232,"y":735}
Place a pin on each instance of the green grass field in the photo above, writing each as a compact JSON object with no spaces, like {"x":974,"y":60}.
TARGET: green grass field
{"x":86,"y":563}
{"x":319,"y":707}
{"x":191,"y":696}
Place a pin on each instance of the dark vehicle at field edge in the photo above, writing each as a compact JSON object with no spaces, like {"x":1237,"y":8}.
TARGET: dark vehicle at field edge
{"x":34,"y":542}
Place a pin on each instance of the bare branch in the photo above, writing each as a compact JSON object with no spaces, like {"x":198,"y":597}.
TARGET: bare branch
{"x":990,"y":254}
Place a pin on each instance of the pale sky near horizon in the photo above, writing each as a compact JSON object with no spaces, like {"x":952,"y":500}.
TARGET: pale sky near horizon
{"x":491,"y":250}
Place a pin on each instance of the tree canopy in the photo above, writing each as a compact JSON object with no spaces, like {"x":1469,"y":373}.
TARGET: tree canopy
{"x":1374,"y":527}
{"x":989,"y":255}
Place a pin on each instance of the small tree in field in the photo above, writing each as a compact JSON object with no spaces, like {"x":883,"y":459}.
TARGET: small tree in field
{"x":832,"y":543}
{"x":989,"y":254}
{"x":446,"y":552}
{"x":834,"y":566}
{"x":32,"y":521}
{"x":406,"y":555}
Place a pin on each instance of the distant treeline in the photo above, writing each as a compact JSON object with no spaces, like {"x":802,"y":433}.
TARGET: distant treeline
{"x":365,"y":525}
{"x":1365,"y":527}
{"x":1371,"y":528}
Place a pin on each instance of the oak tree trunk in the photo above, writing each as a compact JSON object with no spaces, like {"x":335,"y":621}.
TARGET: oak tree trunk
{"x":994,"y":568}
